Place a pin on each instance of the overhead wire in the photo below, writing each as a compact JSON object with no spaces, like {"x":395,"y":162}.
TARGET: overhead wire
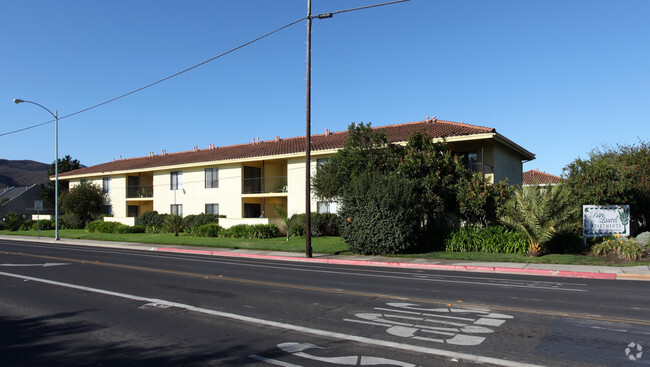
{"x":161,"y":80}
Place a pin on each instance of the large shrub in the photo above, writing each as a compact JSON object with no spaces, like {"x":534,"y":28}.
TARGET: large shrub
{"x":34,"y":225}
{"x":71,"y":221}
{"x":153,"y":228}
{"x":207,"y":230}
{"x":13,"y":221}
{"x":151,"y":217}
{"x":261,"y":231}
{"x":322,"y":224}
{"x":494,"y":239}
{"x":195,"y":220}
{"x":383,"y":215}
{"x":238,"y":231}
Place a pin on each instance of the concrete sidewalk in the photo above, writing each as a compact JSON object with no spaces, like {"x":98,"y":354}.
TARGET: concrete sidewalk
{"x":557,"y":270}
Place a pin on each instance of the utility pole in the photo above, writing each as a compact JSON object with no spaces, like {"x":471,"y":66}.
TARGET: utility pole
{"x":308,"y":249}
{"x":308,"y":252}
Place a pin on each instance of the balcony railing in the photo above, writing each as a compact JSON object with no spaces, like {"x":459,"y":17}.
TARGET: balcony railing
{"x":480,"y":167}
{"x":140,"y":191}
{"x":264,"y":185}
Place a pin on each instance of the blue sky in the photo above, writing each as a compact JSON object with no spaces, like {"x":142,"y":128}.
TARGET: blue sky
{"x":560,"y":78}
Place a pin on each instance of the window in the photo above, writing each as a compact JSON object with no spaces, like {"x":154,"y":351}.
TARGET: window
{"x":321,"y":161}
{"x":176,"y":180}
{"x":469,"y":160}
{"x":211,"y":208}
{"x":107,"y":209}
{"x":176,"y":209}
{"x":331,"y":207}
{"x":106,"y":185}
{"x":211,"y":178}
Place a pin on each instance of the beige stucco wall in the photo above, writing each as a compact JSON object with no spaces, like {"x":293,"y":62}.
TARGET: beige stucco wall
{"x":507,"y":165}
{"x":193,"y":195}
{"x":296,"y":184}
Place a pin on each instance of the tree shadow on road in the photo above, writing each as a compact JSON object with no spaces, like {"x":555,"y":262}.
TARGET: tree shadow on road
{"x":56,"y":340}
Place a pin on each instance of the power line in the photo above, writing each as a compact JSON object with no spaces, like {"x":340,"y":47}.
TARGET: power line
{"x":161,"y":80}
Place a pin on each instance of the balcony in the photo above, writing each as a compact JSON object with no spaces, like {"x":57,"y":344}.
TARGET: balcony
{"x":264,"y":185}
{"x":139,"y":191}
{"x":480,"y":167}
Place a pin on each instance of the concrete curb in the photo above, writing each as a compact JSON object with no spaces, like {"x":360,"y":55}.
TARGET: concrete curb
{"x":407,"y":265}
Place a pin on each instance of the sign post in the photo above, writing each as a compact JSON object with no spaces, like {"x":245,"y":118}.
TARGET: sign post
{"x":604,"y":220}
{"x":38,"y":206}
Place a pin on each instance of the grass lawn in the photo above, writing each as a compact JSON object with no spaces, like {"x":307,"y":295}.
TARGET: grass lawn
{"x":322,"y":245}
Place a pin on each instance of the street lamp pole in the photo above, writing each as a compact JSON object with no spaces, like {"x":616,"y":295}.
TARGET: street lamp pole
{"x":56,"y":163}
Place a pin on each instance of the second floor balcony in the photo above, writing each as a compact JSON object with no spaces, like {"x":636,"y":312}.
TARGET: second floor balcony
{"x":139,"y":191}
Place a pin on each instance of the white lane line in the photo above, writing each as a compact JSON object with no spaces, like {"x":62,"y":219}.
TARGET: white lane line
{"x":45,"y":265}
{"x":290,"y":327}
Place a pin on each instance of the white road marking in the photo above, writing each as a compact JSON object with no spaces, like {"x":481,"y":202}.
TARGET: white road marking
{"x":35,"y":265}
{"x":285,"y":326}
{"x":273,"y":361}
{"x":297,"y":349}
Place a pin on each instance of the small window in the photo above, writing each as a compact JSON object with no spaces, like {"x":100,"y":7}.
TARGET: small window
{"x":176,"y":209}
{"x":106,"y":185}
{"x":325,"y":207}
{"x":211,"y":208}
{"x":211,"y":178}
{"x":176,"y":180}
{"x":321,"y":161}
{"x":107,"y":209}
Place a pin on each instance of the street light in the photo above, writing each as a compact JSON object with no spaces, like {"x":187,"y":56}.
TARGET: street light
{"x":56,"y":163}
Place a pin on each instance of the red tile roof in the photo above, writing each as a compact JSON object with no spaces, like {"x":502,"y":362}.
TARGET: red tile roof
{"x":534,"y":177}
{"x":395,"y":133}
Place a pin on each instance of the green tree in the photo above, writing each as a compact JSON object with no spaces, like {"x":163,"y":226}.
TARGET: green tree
{"x":541,"y":213}
{"x":480,"y":202}
{"x":614,"y":175}
{"x":365,"y":150}
{"x":84,"y":201}
{"x":427,"y":170}
{"x":66,"y":164}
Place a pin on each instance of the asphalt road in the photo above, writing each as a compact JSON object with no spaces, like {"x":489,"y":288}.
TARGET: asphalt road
{"x":71,"y":306}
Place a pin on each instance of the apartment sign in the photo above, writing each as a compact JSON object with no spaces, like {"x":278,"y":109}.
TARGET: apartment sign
{"x":604,"y":220}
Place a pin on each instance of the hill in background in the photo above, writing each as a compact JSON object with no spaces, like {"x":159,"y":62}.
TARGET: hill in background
{"x":22,"y":173}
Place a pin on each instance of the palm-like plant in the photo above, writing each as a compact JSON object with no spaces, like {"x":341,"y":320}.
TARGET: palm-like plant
{"x":173,"y":223}
{"x":540,"y":213}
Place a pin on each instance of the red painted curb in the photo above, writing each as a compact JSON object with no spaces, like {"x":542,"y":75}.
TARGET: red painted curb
{"x":484,"y":269}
